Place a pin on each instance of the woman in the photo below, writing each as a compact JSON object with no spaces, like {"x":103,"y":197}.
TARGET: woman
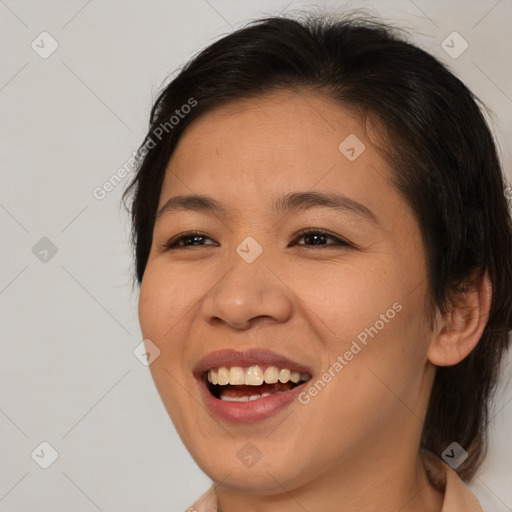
{"x":323,"y":247}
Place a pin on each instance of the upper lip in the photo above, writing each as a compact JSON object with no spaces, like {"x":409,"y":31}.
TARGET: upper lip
{"x":248,"y":357}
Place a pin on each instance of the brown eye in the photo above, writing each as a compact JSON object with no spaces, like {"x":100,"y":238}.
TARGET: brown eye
{"x":192,"y":239}
{"x":319,"y":237}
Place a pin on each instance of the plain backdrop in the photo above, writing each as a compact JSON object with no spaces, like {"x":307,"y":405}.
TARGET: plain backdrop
{"x":69,"y":120}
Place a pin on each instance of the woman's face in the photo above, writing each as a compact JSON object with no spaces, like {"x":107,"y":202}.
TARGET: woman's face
{"x":250,"y":298}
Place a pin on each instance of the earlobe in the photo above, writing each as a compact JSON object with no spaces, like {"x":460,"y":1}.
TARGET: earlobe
{"x":460,"y":330}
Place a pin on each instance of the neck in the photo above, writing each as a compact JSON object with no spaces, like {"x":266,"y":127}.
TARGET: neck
{"x":377,"y":480}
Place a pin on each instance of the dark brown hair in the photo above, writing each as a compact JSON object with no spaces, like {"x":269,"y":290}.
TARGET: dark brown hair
{"x":441,"y":149}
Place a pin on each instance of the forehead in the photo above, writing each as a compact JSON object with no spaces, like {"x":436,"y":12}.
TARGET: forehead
{"x":249,"y":150}
{"x":280,"y":125}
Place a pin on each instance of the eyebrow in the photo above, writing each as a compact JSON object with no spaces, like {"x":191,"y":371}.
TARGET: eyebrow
{"x":292,"y":202}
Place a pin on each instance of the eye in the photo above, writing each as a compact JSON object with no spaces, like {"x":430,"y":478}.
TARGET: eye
{"x":312,"y":237}
{"x":316,"y":237}
{"x":191,"y":239}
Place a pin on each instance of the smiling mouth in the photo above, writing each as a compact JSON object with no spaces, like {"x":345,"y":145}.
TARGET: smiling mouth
{"x":244,"y":384}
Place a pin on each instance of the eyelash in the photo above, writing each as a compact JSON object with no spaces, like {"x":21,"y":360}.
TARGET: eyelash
{"x":172,"y":244}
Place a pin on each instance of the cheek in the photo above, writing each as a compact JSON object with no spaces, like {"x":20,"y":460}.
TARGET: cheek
{"x":164,"y":308}
{"x":384,"y":367}
{"x":367,"y":388}
{"x":151,"y":295}
{"x":347,"y":302}
{"x":371,"y":323}
{"x":164,"y":301}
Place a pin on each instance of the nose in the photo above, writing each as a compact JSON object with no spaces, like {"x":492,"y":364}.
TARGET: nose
{"x":246,"y":295}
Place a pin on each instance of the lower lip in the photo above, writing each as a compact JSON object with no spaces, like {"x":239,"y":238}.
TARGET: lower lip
{"x":251,"y":411}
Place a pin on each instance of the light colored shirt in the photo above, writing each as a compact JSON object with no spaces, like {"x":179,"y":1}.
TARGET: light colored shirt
{"x":457,"y":497}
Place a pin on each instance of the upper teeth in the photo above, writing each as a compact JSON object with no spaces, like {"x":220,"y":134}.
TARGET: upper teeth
{"x":253,"y":375}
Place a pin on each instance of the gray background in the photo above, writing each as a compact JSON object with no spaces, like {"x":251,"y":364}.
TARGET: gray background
{"x":69,"y":325}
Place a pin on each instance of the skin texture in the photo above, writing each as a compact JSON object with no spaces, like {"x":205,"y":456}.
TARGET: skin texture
{"x":307,"y":302}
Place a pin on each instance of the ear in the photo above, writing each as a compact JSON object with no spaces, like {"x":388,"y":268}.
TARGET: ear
{"x":461,"y":329}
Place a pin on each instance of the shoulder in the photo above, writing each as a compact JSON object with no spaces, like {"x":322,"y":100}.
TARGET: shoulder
{"x":457,"y":497}
{"x":206,"y":503}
